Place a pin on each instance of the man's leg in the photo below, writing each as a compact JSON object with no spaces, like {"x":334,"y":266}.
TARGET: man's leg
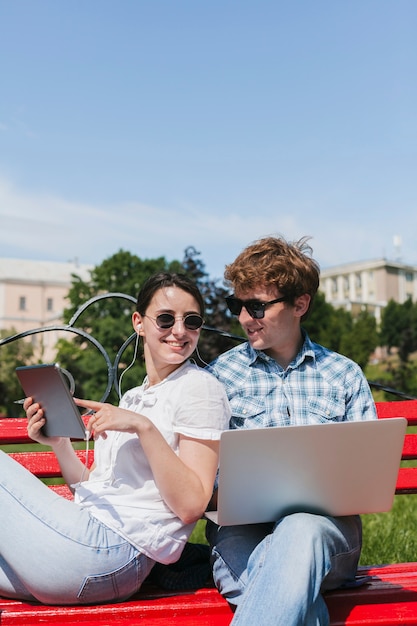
{"x":305,"y":555}
{"x":231,"y":547}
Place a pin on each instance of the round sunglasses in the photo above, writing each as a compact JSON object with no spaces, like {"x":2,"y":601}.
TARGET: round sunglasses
{"x":255,"y":308}
{"x":192,"y":321}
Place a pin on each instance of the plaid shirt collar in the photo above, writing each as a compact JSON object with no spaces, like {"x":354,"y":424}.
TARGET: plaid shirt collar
{"x":306,"y":352}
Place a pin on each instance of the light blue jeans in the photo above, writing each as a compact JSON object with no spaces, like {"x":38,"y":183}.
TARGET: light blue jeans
{"x":53,"y":551}
{"x":273,"y":574}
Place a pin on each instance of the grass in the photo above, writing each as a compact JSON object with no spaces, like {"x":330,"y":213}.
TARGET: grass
{"x":391,"y":537}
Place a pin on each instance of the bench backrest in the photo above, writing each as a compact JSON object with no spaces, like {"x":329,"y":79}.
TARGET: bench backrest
{"x":407,"y":475}
{"x":43,"y":463}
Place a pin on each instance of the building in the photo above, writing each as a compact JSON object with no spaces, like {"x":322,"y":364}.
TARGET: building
{"x":33,"y":295}
{"x":369,"y":284}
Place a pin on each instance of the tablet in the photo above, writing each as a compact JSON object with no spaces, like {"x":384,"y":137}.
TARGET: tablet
{"x":47,"y":385}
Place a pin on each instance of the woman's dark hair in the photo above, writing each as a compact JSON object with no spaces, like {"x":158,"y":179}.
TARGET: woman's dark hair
{"x":167,"y":279}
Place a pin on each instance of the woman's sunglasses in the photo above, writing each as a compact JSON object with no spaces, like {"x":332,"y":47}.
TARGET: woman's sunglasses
{"x":192,"y":321}
{"x":255,"y":308}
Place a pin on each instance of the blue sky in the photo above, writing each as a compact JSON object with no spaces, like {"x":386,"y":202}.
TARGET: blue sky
{"x":153,"y":125}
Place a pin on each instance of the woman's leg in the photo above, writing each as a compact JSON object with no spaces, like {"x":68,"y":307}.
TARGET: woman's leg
{"x":54,"y":551}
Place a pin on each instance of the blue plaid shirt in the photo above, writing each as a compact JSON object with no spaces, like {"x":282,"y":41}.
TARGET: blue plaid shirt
{"x":318,"y":386}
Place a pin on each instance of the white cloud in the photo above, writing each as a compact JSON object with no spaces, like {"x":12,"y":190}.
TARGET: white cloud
{"x":49,"y":227}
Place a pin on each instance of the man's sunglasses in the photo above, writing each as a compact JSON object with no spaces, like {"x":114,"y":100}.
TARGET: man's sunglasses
{"x":192,"y":321}
{"x":255,"y":308}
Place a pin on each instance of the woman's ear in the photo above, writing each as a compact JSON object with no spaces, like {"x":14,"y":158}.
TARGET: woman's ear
{"x":137,"y":322}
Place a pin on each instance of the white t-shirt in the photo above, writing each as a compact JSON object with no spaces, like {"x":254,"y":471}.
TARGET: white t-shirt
{"x":121,"y":491}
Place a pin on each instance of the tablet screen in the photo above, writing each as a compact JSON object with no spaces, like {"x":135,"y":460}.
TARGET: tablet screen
{"x":47,"y":385}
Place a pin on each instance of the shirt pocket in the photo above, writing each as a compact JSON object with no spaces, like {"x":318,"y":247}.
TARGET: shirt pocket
{"x":324,"y":409}
{"x":246,"y":408}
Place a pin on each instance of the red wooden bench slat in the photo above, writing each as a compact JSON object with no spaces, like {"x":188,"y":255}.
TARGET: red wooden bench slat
{"x":43,"y":464}
{"x":61,"y":490}
{"x":390,"y":599}
{"x":410,"y":447}
{"x":399,"y":408}
{"x":203,"y":607}
{"x":13,"y":430}
{"x":406,"y":481}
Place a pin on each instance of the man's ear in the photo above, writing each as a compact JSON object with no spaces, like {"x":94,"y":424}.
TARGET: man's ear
{"x":301,"y":304}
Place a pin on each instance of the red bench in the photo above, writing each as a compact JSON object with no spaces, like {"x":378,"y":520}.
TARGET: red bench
{"x":388,"y":599}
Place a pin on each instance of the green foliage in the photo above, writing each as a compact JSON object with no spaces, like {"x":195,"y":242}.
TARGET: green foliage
{"x":391,"y":324}
{"x":122,"y":272}
{"x":398,"y":370}
{"x":216,"y":315}
{"x":13,"y":355}
{"x":199,"y":533}
{"x":337,"y":330}
{"x":394,"y":374}
{"x":327,"y":325}
{"x":359,"y":343}
{"x":399,"y":328}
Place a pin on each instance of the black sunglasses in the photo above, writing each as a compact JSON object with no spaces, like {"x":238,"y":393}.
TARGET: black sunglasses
{"x":192,"y":321}
{"x":255,"y":308}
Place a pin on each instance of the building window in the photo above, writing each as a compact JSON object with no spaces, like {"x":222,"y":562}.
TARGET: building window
{"x":49,"y":304}
{"x":22,"y":303}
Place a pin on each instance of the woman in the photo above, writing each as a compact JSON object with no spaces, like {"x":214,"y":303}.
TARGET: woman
{"x":156,"y":457}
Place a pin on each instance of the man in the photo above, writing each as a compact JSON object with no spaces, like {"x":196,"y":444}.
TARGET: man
{"x":273,"y":574}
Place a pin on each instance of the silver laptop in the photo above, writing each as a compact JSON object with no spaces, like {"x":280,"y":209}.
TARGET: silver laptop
{"x":337,"y":468}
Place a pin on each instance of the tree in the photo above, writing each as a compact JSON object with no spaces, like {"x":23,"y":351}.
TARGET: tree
{"x":399,"y":328}
{"x":361,"y":341}
{"x":216,"y":315}
{"x":337,"y":330}
{"x":327,"y":325}
{"x":394,"y":321}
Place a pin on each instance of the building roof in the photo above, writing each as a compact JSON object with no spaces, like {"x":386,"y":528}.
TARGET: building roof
{"x":42,"y":271}
{"x":366,"y":265}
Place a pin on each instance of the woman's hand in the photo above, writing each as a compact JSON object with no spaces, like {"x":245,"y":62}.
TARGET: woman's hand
{"x":36,"y":420}
{"x":108,"y":417}
{"x":71,"y":467}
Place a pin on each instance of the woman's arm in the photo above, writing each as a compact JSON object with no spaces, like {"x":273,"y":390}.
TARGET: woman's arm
{"x":185,"y":481}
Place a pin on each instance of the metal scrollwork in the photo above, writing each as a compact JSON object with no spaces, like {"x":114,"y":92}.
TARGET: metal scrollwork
{"x":71,"y":328}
